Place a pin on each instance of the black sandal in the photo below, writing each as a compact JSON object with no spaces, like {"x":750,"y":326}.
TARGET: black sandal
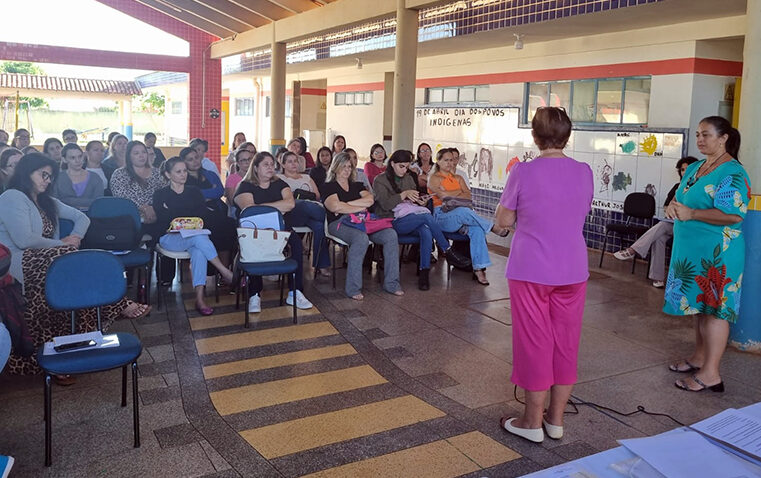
{"x":475,"y":277}
{"x":719,"y":387}
{"x":674,"y":367}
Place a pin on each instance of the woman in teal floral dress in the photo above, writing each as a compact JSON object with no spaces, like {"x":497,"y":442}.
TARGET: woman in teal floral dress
{"x":708,"y":257}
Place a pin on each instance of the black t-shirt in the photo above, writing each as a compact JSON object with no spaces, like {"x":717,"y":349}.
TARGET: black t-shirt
{"x":331,"y":188}
{"x":671,"y":194}
{"x":273,"y":193}
{"x":318,"y":175}
{"x":169,"y":205}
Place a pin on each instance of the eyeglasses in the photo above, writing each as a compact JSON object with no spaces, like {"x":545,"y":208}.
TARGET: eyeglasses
{"x":46,"y":176}
{"x":425,"y":150}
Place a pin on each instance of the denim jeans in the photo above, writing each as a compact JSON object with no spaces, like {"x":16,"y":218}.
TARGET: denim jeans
{"x":311,"y":214}
{"x":425,"y":227}
{"x":477,"y":227}
{"x":358,"y":242}
{"x":201,"y":252}
{"x":5,"y":346}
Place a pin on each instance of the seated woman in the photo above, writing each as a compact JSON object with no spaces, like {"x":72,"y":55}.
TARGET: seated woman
{"x":261,"y":187}
{"x":76,"y":186}
{"x":93,"y":159}
{"x":443,"y":182}
{"x":181,"y":200}
{"x":305,"y":152}
{"x":294,"y":146}
{"x":342,"y":194}
{"x":320,"y":171}
{"x":217,"y":221}
{"x":397,"y":186}
{"x":243,"y":158}
{"x":238,"y":140}
{"x":422,"y":166}
{"x":137,"y":181}
{"x":117,"y":155}
{"x":377,"y":162}
{"x":8,"y":160}
{"x":52,"y":147}
{"x":307,"y":211}
{"x":361,"y":178}
{"x":29,"y":228}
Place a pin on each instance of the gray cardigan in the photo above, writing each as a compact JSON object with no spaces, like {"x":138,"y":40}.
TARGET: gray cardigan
{"x":386,"y":198}
{"x":21,"y":226}
{"x":63,"y":189}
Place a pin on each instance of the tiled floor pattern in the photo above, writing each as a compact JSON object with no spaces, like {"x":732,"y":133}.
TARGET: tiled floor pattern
{"x":278,"y":366}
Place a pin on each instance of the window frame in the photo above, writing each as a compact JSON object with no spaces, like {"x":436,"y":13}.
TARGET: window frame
{"x":474,"y":88}
{"x":342,"y":98}
{"x":525,"y":120}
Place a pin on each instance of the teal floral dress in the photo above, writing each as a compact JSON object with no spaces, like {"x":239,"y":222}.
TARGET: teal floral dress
{"x":707,"y":261}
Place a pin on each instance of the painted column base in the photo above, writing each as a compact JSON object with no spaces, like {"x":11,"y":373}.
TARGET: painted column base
{"x":276,"y":144}
{"x":746,"y":333}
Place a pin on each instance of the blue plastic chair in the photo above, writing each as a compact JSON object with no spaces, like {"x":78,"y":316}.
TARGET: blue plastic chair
{"x":65,"y":227}
{"x":279,"y":268}
{"x":138,"y":257}
{"x":454,"y":237}
{"x":81,"y":280}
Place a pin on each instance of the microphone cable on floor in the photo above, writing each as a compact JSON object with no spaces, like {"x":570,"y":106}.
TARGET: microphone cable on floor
{"x":579,"y":402}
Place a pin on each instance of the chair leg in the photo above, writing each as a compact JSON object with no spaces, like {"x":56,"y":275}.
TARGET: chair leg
{"x":48,"y":420}
{"x":124,"y":386}
{"x":282,"y":286}
{"x":148,"y":269}
{"x":334,"y":264}
{"x":178,"y":265}
{"x":135,"y":406}
{"x":294,"y":298}
{"x":247,"y":295}
{"x":604,"y":245}
{"x":158,"y":281}
{"x":217,"y":279}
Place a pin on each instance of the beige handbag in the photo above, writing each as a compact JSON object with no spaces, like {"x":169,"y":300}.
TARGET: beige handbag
{"x":262,"y":245}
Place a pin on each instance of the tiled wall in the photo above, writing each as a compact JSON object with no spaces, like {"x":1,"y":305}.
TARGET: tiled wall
{"x":485,"y":203}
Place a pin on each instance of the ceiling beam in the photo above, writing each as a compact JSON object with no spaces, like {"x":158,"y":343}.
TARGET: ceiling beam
{"x":265,"y":8}
{"x":337,"y":15}
{"x":234,"y":10}
{"x":296,"y":6}
{"x":205,"y":13}
{"x":190,"y":19}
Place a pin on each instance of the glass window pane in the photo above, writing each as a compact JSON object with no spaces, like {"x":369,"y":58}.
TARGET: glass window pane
{"x":637,"y":101}
{"x":538,"y":93}
{"x":340,"y":98}
{"x":609,"y":101}
{"x":560,"y":95}
{"x":583,"y":109}
{"x":450,"y":95}
{"x":467,"y":94}
{"x":435,"y":95}
{"x":359,"y":98}
{"x":482,"y":94}
{"x":369,"y":98}
{"x":349,"y":98}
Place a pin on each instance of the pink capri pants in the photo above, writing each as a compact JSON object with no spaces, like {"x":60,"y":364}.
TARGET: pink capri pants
{"x":546,"y":332}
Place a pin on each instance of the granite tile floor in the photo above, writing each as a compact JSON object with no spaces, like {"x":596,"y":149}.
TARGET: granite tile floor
{"x":390,"y":386}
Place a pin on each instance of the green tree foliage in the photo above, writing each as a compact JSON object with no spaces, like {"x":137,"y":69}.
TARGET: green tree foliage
{"x":26,"y":68}
{"x":153,"y":103}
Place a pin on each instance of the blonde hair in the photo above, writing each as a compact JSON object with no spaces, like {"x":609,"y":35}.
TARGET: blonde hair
{"x":338,"y":161}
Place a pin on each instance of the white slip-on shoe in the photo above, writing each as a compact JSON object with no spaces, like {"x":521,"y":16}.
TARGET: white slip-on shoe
{"x":624,"y":255}
{"x":659,"y":284}
{"x":301,"y":301}
{"x":254,"y":304}
{"x":535,"y":435}
{"x":553,"y":431}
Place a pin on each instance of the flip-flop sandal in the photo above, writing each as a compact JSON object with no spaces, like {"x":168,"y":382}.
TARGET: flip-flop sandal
{"x":142,"y":311}
{"x":719,"y":387}
{"x":674,"y":367}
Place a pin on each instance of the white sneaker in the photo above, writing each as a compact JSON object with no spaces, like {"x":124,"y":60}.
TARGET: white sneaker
{"x":254,"y":304}
{"x":301,"y":301}
{"x":624,"y":255}
{"x":659,"y":284}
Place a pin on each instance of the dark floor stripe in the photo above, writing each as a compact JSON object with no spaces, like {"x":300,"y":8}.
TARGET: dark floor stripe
{"x":287,"y":371}
{"x":269,"y":324}
{"x":312,"y":406}
{"x":337,"y":454}
{"x":272,"y":349}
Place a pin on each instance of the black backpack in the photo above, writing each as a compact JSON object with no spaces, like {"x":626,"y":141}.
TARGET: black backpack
{"x":116,"y":233}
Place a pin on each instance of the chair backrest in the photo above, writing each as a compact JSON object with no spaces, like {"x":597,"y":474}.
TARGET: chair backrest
{"x":84,"y":279}
{"x":257,"y":210}
{"x":65,"y":227}
{"x":109,"y":206}
{"x":640,"y":205}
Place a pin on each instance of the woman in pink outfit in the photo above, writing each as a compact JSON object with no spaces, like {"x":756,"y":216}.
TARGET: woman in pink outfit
{"x":547,"y":201}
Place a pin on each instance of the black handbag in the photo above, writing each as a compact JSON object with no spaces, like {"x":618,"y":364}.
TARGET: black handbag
{"x":116,"y":233}
{"x":304,"y":195}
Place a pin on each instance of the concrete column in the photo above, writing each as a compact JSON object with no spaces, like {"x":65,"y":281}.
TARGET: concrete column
{"x":746,"y":333}
{"x":296,"y":109}
{"x":128,"y":119}
{"x":405,"y":70}
{"x":277,"y":97}
{"x":388,"y":110}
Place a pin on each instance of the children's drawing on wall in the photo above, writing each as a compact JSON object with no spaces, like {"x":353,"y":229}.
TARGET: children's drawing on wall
{"x":628,"y":147}
{"x":485,"y":163}
{"x":650,"y":189}
{"x":621,"y":181}
{"x":604,"y":172}
{"x":649,"y":144}
{"x":472,"y":168}
{"x":626,"y":143}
